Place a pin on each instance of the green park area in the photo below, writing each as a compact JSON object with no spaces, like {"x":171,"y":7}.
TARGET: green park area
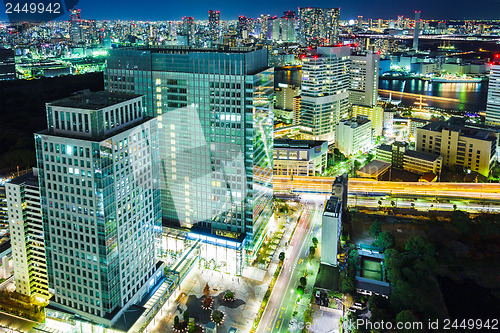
{"x":437,"y":266}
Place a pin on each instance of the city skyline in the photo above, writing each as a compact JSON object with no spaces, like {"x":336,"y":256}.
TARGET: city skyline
{"x":158,"y":11}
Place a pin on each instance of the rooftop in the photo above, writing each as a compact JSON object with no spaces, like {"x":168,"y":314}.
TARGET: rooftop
{"x":30,"y":178}
{"x":374,"y":168}
{"x":387,"y":148}
{"x":290,"y":143}
{"x":179,"y":49}
{"x":333,"y":205}
{"x":93,"y":100}
{"x":464,"y":130}
{"x":421,"y":156}
{"x":355,"y":122}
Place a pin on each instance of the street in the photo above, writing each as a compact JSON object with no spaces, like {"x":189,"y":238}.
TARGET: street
{"x":283,"y":299}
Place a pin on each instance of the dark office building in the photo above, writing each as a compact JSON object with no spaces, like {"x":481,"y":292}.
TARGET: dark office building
{"x":7,"y":64}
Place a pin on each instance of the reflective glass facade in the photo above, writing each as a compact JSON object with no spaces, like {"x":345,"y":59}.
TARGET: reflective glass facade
{"x":215,"y":124}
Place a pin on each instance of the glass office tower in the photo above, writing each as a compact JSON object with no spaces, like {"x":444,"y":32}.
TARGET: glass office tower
{"x":214,"y":111}
{"x":98,"y":174}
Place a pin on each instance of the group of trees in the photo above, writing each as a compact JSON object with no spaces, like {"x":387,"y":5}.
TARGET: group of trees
{"x":19,"y":305}
{"x":384,"y":239}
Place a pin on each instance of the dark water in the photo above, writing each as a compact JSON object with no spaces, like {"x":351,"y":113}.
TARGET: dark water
{"x":467,"y":300}
{"x":289,"y":76}
{"x":471,"y":96}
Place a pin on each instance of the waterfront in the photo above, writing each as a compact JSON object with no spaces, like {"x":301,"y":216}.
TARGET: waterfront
{"x":471,"y":96}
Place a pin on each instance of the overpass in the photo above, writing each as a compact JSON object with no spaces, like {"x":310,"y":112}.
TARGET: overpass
{"x":323,"y":185}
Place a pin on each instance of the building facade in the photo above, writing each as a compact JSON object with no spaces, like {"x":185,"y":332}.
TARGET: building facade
{"x":354,"y":136}
{"x":402,"y":158}
{"x":459,"y":145}
{"x":325,"y":83}
{"x":27,"y":237}
{"x":318,"y":26}
{"x":7,"y":64}
{"x":374,"y":113}
{"x":215,"y":117}
{"x":493,"y":104}
{"x":100,"y":193}
{"x":299,"y":157}
{"x":214,"y":26}
{"x":363,"y":89}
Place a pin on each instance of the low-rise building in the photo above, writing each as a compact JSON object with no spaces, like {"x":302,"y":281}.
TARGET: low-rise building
{"x":415,"y":123}
{"x":354,"y":136}
{"x":375,"y":114}
{"x":299,"y":157}
{"x":459,"y":145}
{"x":374,"y":170}
{"x":284,"y":103}
{"x":403,"y":158}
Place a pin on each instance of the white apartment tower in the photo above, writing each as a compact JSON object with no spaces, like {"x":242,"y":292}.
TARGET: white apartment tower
{"x":100,"y":194}
{"x":26,"y":229}
{"x":325,"y":84}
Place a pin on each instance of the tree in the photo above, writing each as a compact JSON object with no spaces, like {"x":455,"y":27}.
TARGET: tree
{"x":380,"y":308}
{"x":315,"y":241}
{"x":206,"y":290}
{"x":303,"y":281}
{"x":300,"y":290}
{"x":393,"y":203}
{"x":412,"y":205}
{"x":379,"y":203}
{"x":312,"y":251}
{"x":384,"y":240}
{"x":376,"y":228}
{"x":454,"y":206}
{"x":282,"y":256}
{"x":406,"y":316}
{"x":217,"y":316}
{"x":176,"y":321}
{"x":185,"y":315}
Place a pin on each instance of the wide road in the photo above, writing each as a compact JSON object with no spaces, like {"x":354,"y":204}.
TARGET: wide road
{"x":283,"y":299}
{"x":291,"y":256}
{"x":323,"y":185}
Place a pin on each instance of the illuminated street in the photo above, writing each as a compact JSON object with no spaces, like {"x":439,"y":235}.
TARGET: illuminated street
{"x":323,"y":185}
{"x":282,"y":302}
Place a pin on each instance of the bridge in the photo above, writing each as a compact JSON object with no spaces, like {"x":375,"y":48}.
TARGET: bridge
{"x":323,"y":185}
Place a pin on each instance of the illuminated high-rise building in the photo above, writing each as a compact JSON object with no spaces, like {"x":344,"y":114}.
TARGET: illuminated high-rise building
{"x":325,"y":91}
{"x":363,"y":89}
{"x":187,"y":30}
{"x":100,"y":201}
{"x":242,"y":27}
{"x":493,"y":103}
{"x":360,"y":22}
{"x":26,"y":234}
{"x":75,"y":29}
{"x":214,"y":110}
{"x":319,"y":26}
{"x":264,"y":25}
{"x":416,"y":30}
{"x":214,"y":25}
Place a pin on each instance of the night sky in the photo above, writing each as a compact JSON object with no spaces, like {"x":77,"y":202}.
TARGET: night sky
{"x":230,"y":9}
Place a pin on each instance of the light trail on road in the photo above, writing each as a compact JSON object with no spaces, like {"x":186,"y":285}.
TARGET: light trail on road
{"x":323,"y":185}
